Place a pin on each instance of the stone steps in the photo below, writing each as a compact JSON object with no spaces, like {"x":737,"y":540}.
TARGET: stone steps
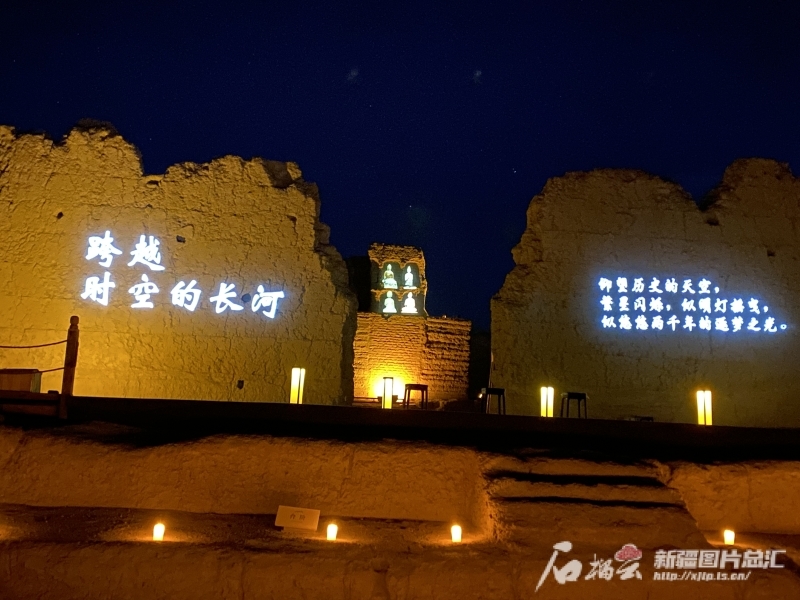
{"x":583,"y":501}
{"x":542,"y":463}
{"x":527,"y":522}
{"x":508,"y":487}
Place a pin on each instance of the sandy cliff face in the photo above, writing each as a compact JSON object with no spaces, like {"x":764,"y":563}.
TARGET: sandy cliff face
{"x":233,"y":222}
{"x":547,"y":326}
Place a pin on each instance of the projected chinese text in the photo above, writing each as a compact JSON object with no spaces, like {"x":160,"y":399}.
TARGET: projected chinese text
{"x":146,"y":255}
{"x":673,"y":304}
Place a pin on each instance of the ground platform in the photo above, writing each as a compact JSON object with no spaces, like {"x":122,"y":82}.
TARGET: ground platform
{"x":79,"y":498}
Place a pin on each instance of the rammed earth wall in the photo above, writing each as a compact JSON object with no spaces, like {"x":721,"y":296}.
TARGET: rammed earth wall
{"x":432,"y":350}
{"x":547,"y":318}
{"x":231,"y":221}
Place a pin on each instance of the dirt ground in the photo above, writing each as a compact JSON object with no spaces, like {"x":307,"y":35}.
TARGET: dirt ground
{"x":78,"y":505}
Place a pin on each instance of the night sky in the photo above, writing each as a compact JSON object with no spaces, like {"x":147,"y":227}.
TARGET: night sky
{"x":421,"y":125}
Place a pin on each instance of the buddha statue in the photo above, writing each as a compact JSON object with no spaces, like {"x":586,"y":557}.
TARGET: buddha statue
{"x":409,"y":305}
{"x":388,"y":304}
{"x":408,"y":278}
{"x":389,"y":282}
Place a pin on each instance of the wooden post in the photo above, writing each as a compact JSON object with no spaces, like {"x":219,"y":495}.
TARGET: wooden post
{"x":70,"y":362}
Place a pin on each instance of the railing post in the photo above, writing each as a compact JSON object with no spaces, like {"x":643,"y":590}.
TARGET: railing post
{"x":70,"y":362}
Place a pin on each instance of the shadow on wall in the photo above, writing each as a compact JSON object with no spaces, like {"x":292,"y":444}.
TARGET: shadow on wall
{"x":358,"y":269}
{"x":480,"y":360}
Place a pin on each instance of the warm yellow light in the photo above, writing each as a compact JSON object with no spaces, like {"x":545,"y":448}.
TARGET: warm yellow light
{"x":704,"y":407}
{"x":701,"y":408}
{"x":546,"y":409}
{"x":399,"y":379}
{"x":728,"y":536}
{"x":333,"y":529}
{"x":298,"y":382}
{"x":455,"y":534}
{"x":388,"y":390}
{"x":158,"y":532}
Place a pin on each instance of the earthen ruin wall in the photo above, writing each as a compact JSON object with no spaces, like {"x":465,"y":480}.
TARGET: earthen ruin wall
{"x":546,"y":318}
{"x":234,"y":221}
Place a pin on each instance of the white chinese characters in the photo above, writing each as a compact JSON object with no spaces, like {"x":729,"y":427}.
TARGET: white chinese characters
{"x":186,"y":296}
{"x":102,"y":247}
{"x":683,"y":304}
{"x":223,"y":300}
{"x":96,"y":290}
{"x":730,"y":564}
{"x":628,"y":558}
{"x":266,"y":300}
{"x":142,"y":292}
{"x":147,"y":252}
{"x":712,"y":565}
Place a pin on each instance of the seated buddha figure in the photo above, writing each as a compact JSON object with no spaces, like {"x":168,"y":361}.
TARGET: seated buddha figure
{"x":408,"y":278}
{"x":409,"y":305}
{"x":389,"y":282}
{"x":388,"y":304}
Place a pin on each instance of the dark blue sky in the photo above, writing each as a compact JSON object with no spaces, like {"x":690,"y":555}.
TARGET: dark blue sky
{"x":421,"y":125}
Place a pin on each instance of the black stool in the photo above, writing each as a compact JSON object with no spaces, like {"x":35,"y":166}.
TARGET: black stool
{"x":580,"y":397}
{"x":486,"y":395}
{"x":423,"y":395}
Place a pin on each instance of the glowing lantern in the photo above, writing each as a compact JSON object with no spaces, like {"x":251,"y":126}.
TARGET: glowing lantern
{"x":333,"y":529}
{"x":547,"y":402}
{"x":704,"y":407}
{"x":388,"y":390}
{"x":298,"y":381}
{"x":728,"y":536}
{"x":455,"y":534}
{"x":158,"y":532}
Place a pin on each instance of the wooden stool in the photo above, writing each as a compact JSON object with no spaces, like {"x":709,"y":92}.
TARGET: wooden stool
{"x":423,"y":395}
{"x":579,"y":397}
{"x":487,"y":393}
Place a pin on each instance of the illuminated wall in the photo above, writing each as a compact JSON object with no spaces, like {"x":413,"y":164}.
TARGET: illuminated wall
{"x":625,"y":290}
{"x":433,"y":351}
{"x":210,"y":281}
{"x":398,"y":339}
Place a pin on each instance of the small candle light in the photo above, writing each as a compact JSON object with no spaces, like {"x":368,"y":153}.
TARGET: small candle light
{"x":333,"y":530}
{"x":455,"y":534}
{"x":728,"y":536}
{"x":158,"y":532}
